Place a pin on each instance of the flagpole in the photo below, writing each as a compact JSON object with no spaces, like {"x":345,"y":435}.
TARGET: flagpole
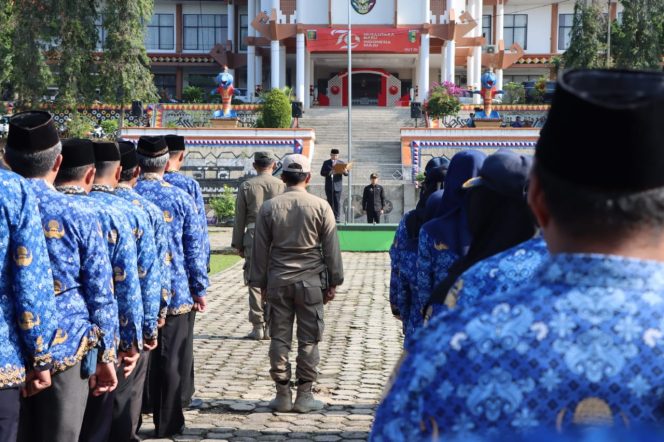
{"x":349,"y":217}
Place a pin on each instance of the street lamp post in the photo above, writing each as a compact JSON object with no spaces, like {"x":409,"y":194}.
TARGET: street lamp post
{"x":349,"y":217}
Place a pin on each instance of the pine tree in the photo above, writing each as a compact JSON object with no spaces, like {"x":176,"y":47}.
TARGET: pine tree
{"x":124,"y":71}
{"x":639,"y":39}
{"x":587,"y":37}
{"x":6,"y":33}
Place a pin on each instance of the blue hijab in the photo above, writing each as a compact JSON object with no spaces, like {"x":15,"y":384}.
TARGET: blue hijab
{"x":452,"y":220}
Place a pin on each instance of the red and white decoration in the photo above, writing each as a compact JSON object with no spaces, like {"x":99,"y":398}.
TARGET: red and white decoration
{"x":390,"y":93}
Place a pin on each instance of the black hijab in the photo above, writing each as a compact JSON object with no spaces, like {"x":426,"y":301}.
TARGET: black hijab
{"x":498,"y":214}
{"x":435,"y":173}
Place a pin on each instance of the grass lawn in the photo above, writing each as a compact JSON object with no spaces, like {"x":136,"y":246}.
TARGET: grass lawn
{"x":222,"y":262}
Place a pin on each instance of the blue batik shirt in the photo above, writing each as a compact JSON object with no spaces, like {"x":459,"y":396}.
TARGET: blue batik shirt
{"x":146,"y":250}
{"x":27,"y":302}
{"x":434,"y":259}
{"x":188,"y":260}
{"x":580,"y":343}
{"x":193,"y":189}
{"x":496,"y":275}
{"x":406,"y":279}
{"x":87,"y":313}
{"x":161,"y":238}
{"x":121,"y":249}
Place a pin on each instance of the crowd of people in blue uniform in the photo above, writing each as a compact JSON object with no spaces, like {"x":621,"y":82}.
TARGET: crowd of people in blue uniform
{"x":530,"y":289}
{"x":103,"y":265}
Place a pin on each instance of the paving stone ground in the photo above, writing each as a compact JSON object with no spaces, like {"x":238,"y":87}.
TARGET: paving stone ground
{"x":362,"y":342}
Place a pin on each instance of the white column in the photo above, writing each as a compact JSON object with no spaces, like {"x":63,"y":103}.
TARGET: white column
{"x":275,"y":56}
{"x":424,"y":67}
{"x":300,"y":74}
{"x":259,"y":70}
{"x":307,"y":79}
{"x":231,"y":26}
{"x":477,"y":53}
{"x":500,"y":35}
{"x":282,"y":66}
{"x":443,"y":63}
{"x":451,"y":60}
{"x":312,"y":79}
{"x":251,"y":51}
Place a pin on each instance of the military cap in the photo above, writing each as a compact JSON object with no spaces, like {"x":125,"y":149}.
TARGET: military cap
{"x":373,"y":175}
{"x":504,"y":172}
{"x":106,"y":151}
{"x":32,"y":131}
{"x":175,"y":143}
{"x":334,"y":152}
{"x":77,"y":152}
{"x":296,"y":163}
{"x":152,"y":146}
{"x":605,"y":130}
{"x":263,"y":156}
{"x":128,"y":157}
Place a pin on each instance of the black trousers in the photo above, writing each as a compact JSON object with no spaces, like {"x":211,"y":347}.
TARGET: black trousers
{"x":188,"y":385}
{"x":127,"y":403}
{"x":166,"y":376}
{"x":56,"y":414}
{"x":373,"y":217}
{"x":10,"y":407}
{"x":334,"y":198}
{"x":98,"y":417}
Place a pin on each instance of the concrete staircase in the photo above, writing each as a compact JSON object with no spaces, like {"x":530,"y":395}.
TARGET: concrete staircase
{"x":376,"y":139}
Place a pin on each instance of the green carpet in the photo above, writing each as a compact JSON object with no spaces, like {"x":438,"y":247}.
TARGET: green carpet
{"x":366,"y":237}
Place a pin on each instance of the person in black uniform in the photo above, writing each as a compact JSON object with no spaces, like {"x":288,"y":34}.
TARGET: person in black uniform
{"x":373,"y":200}
{"x":333,"y":182}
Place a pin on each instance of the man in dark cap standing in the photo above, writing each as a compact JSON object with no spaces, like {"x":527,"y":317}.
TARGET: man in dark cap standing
{"x":141,"y":396}
{"x":176,"y":150}
{"x":86,"y":310}
{"x":580,"y":343}
{"x":250,"y":197}
{"x":189,"y":281}
{"x":296,"y":262}
{"x":107,"y":176}
{"x":373,"y":200}
{"x":75,"y":178}
{"x":333,"y":182}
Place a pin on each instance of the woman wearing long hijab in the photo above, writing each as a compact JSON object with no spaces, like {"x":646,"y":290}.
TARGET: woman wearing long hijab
{"x":403,"y":253}
{"x":506,"y":249}
{"x":446,"y":238}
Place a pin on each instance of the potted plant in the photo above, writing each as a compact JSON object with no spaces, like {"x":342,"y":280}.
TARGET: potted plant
{"x":443,"y":101}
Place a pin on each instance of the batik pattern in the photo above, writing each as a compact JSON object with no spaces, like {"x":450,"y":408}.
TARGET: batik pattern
{"x":27,"y":303}
{"x":87,"y":313}
{"x":581,"y":343}
{"x":187,"y":260}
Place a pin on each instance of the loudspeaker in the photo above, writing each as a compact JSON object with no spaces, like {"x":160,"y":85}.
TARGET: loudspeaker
{"x":136,"y":109}
{"x":415,"y":110}
{"x":296,"y":107}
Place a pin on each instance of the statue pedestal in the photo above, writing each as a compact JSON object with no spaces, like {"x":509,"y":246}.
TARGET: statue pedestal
{"x":224,"y":123}
{"x":488,"y":122}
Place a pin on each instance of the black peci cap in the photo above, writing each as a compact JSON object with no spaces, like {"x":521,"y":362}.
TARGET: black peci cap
{"x":32,"y":131}
{"x":175,"y":143}
{"x":504,"y":172}
{"x":605,"y":130}
{"x":106,"y":151}
{"x":334,"y":152}
{"x":128,"y":157}
{"x":152,"y":146}
{"x":77,"y":152}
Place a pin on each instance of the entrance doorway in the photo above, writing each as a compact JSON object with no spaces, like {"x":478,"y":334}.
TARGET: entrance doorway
{"x":366,"y":89}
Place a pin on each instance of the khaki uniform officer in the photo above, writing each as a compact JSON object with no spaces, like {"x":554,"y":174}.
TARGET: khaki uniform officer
{"x":250,"y":197}
{"x":296,"y":262}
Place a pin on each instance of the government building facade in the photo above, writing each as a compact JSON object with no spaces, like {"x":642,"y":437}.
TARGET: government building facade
{"x":399,"y":47}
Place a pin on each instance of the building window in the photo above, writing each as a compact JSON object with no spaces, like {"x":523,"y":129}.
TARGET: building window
{"x":487,"y":29}
{"x":203,"y":31}
{"x":244,"y":32}
{"x":565,"y":23}
{"x":516,"y":30}
{"x":165,"y":84}
{"x":161,"y":33}
{"x":101,"y":32}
